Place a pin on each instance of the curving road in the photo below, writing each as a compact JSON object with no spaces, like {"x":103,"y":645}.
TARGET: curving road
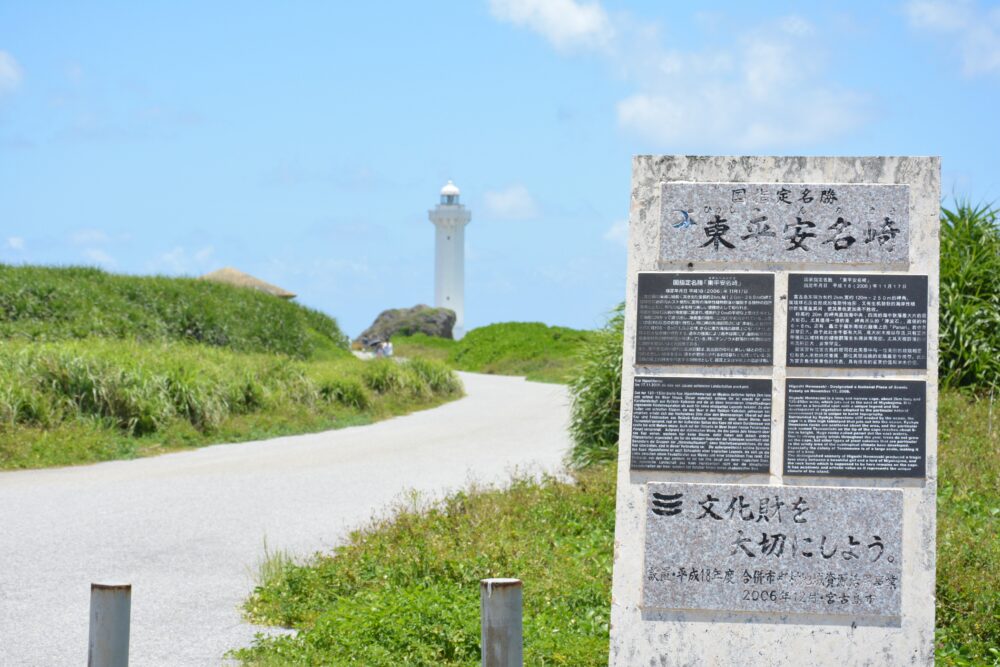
{"x":187,"y":530}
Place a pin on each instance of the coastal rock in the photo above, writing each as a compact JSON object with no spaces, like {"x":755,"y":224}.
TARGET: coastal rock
{"x":437,"y":322}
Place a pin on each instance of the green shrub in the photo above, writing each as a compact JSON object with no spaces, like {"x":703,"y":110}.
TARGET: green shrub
{"x":596,"y":392}
{"x":436,"y":375}
{"x":970,"y":298}
{"x":384,"y":375}
{"x":417,"y":378}
{"x":349,"y":392}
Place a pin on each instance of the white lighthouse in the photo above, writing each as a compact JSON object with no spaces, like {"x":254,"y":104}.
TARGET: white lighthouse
{"x":450,"y":218}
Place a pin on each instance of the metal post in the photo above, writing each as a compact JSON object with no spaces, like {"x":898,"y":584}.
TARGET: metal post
{"x":500,"y":615}
{"x":110,"y":609}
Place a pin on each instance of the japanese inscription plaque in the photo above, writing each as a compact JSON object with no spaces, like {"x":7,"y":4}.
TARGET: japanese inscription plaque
{"x":705,"y":319}
{"x":857,"y":321}
{"x":789,"y":549}
{"x":785,"y":222}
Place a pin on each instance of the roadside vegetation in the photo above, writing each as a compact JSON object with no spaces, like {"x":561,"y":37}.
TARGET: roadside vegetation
{"x":245,"y":366}
{"x":539,"y":352}
{"x":404,"y":590}
{"x":970,"y":298}
{"x":968,"y":535}
{"x":968,"y":501}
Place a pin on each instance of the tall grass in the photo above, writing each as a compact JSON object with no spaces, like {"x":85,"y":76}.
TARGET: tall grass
{"x":140,"y":389}
{"x":45,"y":304}
{"x":596,"y":391}
{"x":970,"y":297}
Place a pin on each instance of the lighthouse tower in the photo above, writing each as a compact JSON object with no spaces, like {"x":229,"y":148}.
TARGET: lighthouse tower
{"x":450,"y":218}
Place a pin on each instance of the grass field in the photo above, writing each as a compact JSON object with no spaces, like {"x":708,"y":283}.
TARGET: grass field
{"x":96,"y":366}
{"x":968,"y":536}
{"x":404,"y":590}
{"x":539,"y":352}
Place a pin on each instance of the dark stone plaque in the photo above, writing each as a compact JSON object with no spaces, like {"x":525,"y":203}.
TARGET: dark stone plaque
{"x":857,"y":321}
{"x":855,"y":428}
{"x":703,"y":425}
{"x":705,"y":319}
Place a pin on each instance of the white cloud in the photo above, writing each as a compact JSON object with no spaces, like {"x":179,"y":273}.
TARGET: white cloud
{"x":973,"y":31}
{"x":733,"y":93}
{"x":513,"y":203}
{"x":89,"y":237}
{"x":566,"y":24}
{"x":10,"y":73}
{"x":98,"y":256}
{"x":15,"y":243}
{"x":74,"y":72}
{"x":739,"y":98}
{"x":179,"y":260}
{"x":202,"y":255}
{"x":617,"y":233}
{"x":796,"y":25}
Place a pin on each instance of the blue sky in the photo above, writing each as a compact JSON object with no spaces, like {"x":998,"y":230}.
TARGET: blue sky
{"x":304,"y":142}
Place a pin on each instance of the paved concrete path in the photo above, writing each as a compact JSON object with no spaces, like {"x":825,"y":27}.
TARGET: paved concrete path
{"x":188,"y":529}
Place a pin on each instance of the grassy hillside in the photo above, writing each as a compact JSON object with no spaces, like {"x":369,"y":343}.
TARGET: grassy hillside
{"x":405,"y":590}
{"x":95,"y":366}
{"x":49,"y":304}
{"x":532,"y":349}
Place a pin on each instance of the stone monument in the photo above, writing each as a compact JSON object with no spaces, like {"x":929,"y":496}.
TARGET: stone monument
{"x":778,"y":452}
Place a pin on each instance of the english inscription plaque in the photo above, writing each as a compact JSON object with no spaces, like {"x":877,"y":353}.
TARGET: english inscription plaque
{"x":855,"y":428}
{"x":785,"y":222}
{"x":857,"y":321}
{"x":705,"y":319}
{"x":755,"y":548}
{"x":699,"y":424}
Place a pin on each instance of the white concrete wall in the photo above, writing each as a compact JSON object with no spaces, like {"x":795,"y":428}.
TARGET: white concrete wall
{"x":700,"y":638}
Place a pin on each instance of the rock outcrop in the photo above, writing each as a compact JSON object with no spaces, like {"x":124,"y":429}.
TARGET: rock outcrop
{"x":437,"y":322}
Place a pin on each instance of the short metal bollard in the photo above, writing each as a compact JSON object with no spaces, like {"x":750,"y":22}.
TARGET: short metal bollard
{"x":110,"y":609}
{"x":500,"y":615}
